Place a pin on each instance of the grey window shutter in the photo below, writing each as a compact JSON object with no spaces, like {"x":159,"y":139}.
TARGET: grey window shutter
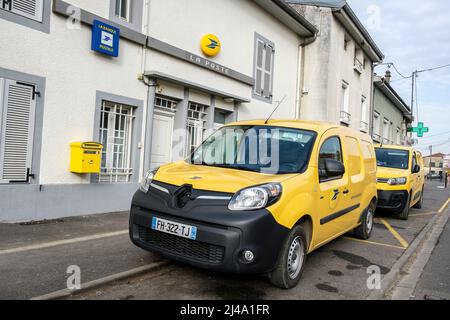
{"x":31,"y":9}
{"x":259,"y":67}
{"x":268,"y":71}
{"x":16,"y":131}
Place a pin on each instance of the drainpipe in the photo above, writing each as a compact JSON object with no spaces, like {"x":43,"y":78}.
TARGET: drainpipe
{"x":372,"y":101}
{"x":301,"y":73}
{"x":151,"y":94}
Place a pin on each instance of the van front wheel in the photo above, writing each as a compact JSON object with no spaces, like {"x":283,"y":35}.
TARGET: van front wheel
{"x":290,"y":264}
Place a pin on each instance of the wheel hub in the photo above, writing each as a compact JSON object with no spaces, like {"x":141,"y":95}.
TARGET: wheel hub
{"x":295,"y":258}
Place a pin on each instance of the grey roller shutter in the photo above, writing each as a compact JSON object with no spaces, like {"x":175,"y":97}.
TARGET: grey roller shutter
{"x":16,"y":131}
{"x":31,"y":9}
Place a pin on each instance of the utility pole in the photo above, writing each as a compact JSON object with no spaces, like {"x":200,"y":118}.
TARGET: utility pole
{"x":431,"y":159}
{"x":413,"y":76}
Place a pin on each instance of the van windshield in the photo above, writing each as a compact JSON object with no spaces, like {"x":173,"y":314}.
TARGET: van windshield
{"x":392,"y":158}
{"x":265,"y":149}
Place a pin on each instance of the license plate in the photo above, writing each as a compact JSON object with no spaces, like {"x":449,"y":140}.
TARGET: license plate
{"x":177,"y":229}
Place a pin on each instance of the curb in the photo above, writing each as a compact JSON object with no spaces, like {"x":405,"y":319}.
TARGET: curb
{"x":65,"y":293}
{"x":392,"y":276}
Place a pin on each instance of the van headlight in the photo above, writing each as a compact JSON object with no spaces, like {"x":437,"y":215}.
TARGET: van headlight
{"x":255,"y":198}
{"x":147,"y":180}
{"x":397,"y":181}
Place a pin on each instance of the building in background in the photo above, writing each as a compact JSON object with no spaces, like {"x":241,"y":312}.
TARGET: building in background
{"x":151,"y":101}
{"x":434,"y":164}
{"x":338,"y":70}
{"x":391,"y":115}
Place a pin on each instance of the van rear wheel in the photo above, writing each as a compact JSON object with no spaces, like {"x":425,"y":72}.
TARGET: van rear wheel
{"x":364,"y":231}
{"x":291,"y":261}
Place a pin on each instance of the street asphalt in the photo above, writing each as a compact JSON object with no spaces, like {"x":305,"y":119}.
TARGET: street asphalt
{"x":34,"y":260}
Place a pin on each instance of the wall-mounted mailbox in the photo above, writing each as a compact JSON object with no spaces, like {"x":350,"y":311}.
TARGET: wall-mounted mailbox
{"x":85,"y":157}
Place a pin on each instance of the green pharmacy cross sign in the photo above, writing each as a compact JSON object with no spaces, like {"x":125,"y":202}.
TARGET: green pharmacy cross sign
{"x":420,"y":129}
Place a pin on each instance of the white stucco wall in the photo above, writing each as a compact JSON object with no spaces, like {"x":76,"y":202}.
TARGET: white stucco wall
{"x":327,"y":65}
{"x":182,"y":23}
{"x":73,"y":75}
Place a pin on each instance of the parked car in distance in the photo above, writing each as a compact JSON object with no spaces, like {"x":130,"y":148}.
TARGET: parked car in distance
{"x":434,"y":176}
{"x":401,"y":179}
{"x":257,"y":197}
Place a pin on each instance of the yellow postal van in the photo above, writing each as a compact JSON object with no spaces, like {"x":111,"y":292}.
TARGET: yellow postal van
{"x":401,"y":179}
{"x":258,"y":196}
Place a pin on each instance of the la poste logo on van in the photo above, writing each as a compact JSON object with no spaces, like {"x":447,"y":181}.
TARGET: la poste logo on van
{"x":210,"y":45}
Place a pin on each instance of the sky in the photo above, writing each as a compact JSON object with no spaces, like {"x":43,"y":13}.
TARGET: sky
{"x":415,"y":35}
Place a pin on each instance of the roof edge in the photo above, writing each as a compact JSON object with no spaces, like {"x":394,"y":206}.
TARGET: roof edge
{"x":308,"y":29}
{"x":390,"y":92}
{"x":354,"y":18}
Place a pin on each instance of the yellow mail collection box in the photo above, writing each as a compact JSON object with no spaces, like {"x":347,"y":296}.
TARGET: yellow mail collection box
{"x":85,"y":157}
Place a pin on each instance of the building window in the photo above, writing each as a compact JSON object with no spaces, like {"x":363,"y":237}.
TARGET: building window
{"x":364,"y":123}
{"x":386,"y":131}
{"x":116,"y":128}
{"x":127,"y":13}
{"x":29,"y":9}
{"x":263,"y":69}
{"x":167,"y":104}
{"x":345,"y":115}
{"x":346,"y":41}
{"x":17,"y":120}
{"x":196,"y":125}
{"x":358,"y":61}
{"x":123,"y":9}
{"x":376,"y":127}
{"x":34,"y":14}
{"x":399,"y":136}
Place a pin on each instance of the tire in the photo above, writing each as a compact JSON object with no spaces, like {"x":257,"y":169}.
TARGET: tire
{"x":419,"y":204}
{"x":286,"y":277}
{"x":364,"y":231}
{"x":404,"y":214}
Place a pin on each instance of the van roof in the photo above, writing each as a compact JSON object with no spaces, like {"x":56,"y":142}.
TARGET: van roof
{"x":386,"y":146}
{"x":317,"y":126}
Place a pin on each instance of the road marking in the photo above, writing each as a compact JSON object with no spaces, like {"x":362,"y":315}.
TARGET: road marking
{"x":397,"y":236}
{"x":64,"y":242}
{"x":374,"y":243}
{"x":444,"y":206}
{"x":423,"y":214}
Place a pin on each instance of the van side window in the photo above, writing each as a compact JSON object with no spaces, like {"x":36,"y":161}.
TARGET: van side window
{"x":331,"y":149}
{"x":414,"y":161}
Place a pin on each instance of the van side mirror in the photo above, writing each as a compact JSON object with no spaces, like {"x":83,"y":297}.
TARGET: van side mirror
{"x":334,"y":169}
{"x":417,"y":169}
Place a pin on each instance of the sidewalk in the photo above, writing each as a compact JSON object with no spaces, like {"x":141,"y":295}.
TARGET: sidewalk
{"x":34,"y":258}
{"x":434,"y":283}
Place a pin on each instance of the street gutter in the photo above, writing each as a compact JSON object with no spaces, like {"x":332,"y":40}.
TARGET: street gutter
{"x":66,"y":293}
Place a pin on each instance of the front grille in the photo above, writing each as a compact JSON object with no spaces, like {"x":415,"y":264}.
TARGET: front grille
{"x":382,"y":180}
{"x":183,"y":247}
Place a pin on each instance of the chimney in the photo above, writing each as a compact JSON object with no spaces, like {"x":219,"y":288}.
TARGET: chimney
{"x":388,"y":76}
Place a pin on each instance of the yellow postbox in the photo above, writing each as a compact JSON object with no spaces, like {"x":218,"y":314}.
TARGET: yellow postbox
{"x":85,"y":157}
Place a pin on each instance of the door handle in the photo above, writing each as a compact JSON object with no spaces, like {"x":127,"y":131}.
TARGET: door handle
{"x":346,"y":191}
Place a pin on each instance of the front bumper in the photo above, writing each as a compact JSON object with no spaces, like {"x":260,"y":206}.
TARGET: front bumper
{"x":392,"y":200}
{"x":222,"y":234}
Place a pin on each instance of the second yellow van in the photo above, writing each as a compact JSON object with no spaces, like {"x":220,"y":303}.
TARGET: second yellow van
{"x":401,"y":179}
{"x":258,"y":196}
